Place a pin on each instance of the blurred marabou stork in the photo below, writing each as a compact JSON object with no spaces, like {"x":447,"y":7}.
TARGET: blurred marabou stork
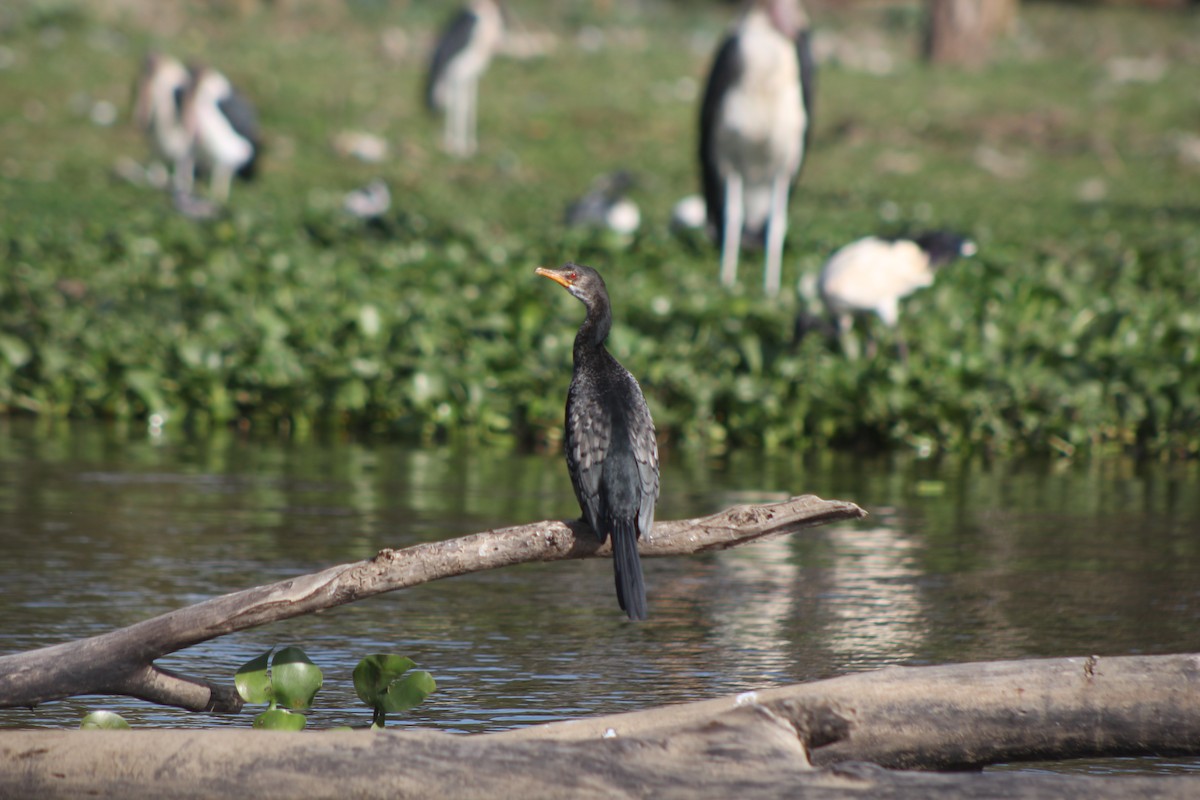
{"x":463,"y":52}
{"x":224,"y":127}
{"x":158,"y":110}
{"x":872,"y":274}
{"x":755,"y":123}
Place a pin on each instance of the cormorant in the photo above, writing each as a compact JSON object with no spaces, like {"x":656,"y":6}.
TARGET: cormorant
{"x":755,"y":122}
{"x":612,"y":453}
{"x":871,"y":275}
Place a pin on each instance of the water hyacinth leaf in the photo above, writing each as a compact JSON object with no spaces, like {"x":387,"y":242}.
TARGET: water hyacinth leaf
{"x":104,"y":720}
{"x":280,"y":719}
{"x":375,"y":673}
{"x":295,"y":678}
{"x":15,"y":351}
{"x":408,"y":692}
{"x":252,"y":681}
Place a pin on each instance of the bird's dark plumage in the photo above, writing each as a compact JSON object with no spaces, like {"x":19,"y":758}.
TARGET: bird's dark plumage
{"x":612,"y":453}
{"x":454,"y":39}
{"x":243,"y":119}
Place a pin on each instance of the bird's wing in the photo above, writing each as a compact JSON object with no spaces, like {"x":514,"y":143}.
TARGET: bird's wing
{"x":645,"y":449}
{"x":588,"y":440}
{"x":726,"y":70}
{"x":241,"y":116}
{"x":454,"y":39}
{"x":808,"y":78}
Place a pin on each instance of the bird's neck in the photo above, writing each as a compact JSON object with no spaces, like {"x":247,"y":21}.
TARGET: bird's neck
{"x":589,"y":342}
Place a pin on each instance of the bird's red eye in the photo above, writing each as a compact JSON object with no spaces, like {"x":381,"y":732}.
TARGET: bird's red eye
{"x":572,"y":276}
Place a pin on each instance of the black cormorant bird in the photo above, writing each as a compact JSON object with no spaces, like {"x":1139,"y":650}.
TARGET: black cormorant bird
{"x":872,"y":274}
{"x":754,"y":130}
{"x":612,"y":453}
{"x":463,"y":52}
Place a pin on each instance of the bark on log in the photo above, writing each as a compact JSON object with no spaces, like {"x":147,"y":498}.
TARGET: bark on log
{"x":733,"y":747}
{"x":961,"y":32}
{"x":121,"y":662}
{"x":959,"y":716}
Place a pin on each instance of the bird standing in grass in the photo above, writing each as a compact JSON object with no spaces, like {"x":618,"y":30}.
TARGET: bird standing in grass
{"x":607,"y":205}
{"x":158,"y":110}
{"x":463,"y":52}
{"x":871,"y":275}
{"x":224,"y":127}
{"x":755,"y":122}
{"x":612,"y":453}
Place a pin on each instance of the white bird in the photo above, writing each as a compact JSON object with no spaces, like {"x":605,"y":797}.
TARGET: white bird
{"x":871,"y":275}
{"x":368,"y":202}
{"x":688,"y":214}
{"x":158,"y":110}
{"x":463,"y":52}
{"x":606,"y":205}
{"x":224,"y":127}
{"x":754,"y":130}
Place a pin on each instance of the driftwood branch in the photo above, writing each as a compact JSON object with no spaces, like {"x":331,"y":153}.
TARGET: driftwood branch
{"x":762,"y":745}
{"x":121,"y":662}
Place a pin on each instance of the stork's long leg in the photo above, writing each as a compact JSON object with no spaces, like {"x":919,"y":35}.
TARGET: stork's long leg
{"x":451,"y":99}
{"x":777,"y":224}
{"x":222,"y":177}
{"x":183,"y":174}
{"x":734,"y":217}
{"x":469,"y":142}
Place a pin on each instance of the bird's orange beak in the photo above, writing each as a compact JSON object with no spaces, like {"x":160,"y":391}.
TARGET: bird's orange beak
{"x":554,"y":276}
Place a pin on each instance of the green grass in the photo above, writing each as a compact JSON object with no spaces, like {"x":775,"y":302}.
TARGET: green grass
{"x":1076,"y":329}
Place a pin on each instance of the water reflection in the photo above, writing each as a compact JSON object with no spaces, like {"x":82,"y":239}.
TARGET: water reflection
{"x":875,"y":613}
{"x":101,"y":528}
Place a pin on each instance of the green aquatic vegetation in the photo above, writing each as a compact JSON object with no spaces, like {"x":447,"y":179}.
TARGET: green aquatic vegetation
{"x":1074,"y":330}
{"x":390,"y":685}
{"x":289,"y":679}
{"x":104,"y":721}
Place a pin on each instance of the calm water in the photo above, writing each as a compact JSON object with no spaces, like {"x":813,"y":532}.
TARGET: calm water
{"x":101,"y":528}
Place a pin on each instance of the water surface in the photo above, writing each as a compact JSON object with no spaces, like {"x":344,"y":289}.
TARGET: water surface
{"x":101,"y":527}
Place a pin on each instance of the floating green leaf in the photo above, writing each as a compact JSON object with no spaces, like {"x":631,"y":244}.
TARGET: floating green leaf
{"x":252,"y":681}
{"x":385,"y":683}
{"x":294,"y":678}
{"x":103,"y":720}
{"x":280,"y":719}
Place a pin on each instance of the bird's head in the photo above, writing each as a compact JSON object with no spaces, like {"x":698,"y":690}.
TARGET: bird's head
{"x":583,"y":282}
{"x":945,"y":246}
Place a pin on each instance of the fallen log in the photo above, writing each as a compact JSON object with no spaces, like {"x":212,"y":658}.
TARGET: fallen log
{"x":957,"y":716}
{"x":755,"y":745}
{"x":121,"y":662}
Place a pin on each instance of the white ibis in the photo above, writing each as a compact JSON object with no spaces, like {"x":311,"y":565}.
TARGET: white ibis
{"x":871,"y":275}
{"x":463,"y":52}
{"x":225,"y":129}
{"x":158,"y":110}
{"x":754,"y":130}
{"x":607,"y":205}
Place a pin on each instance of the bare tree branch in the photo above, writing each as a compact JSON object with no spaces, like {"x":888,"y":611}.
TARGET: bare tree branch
{"x":121,"y":661}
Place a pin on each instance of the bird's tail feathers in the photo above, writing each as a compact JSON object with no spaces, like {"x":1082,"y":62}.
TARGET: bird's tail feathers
{"x":627,"y":568}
